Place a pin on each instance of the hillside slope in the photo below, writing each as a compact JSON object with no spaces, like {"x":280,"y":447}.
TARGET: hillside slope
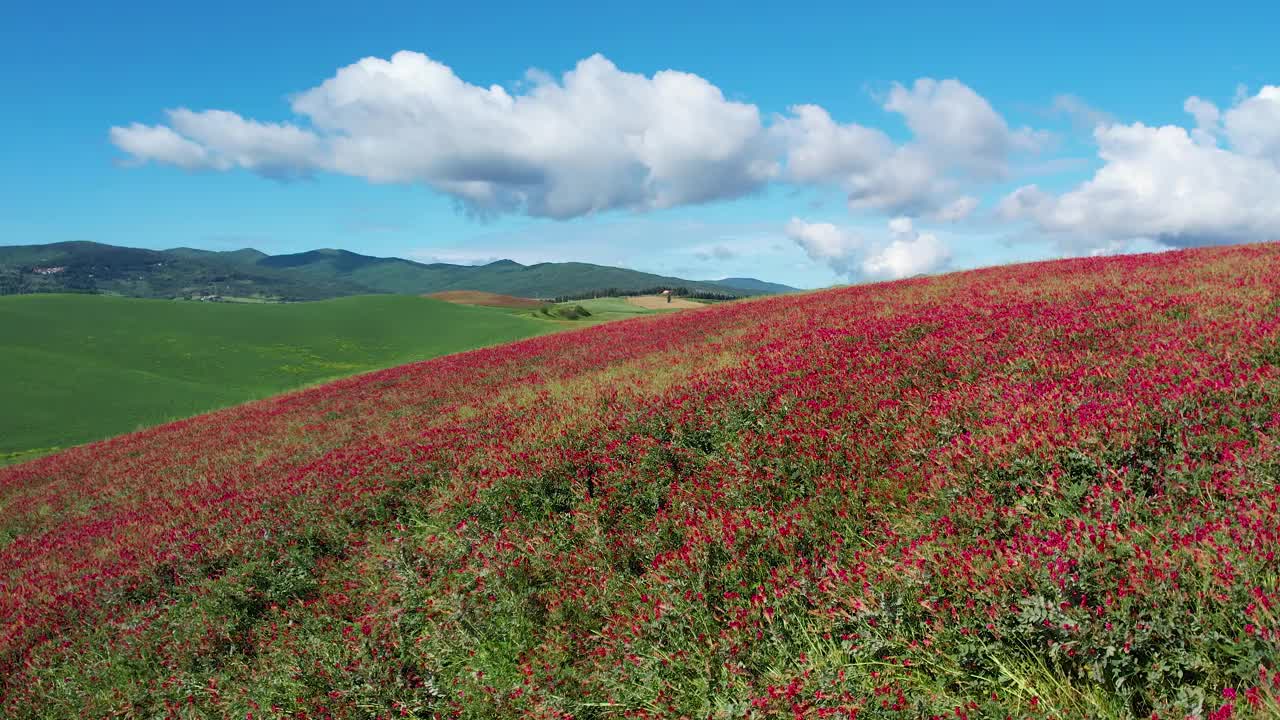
{"x":487,"y":299}
{"x":1046,"y":490}
{"x":506,"y":277}
{"x":315,"y":274}
{"x":82,"y":367}
{"x":94,"y":267}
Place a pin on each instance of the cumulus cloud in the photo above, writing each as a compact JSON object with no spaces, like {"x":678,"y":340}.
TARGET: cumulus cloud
{"x":820,"y":150}
{"x":1253,"y":125}
{"x":595,"y":139}
{"x":957,"y":209}
{"x":904,"y":253}
{"x":220,"y":140}
{"x":909,"y":181}
{"x":958,"y":140}
{"x":836,"y":247}
{"x":955,"y":124}
{"x":1207,"y":116}
{"x":1218,"y":182}
{"x":145,"y":143}
{"x":908,"y":253}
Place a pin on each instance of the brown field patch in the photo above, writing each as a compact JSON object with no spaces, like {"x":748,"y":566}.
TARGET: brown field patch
{"x":659,"y":302}
{"x":488,"y":299}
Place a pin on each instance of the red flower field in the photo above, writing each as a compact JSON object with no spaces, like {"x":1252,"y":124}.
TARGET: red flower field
{"x":1046,"y":490}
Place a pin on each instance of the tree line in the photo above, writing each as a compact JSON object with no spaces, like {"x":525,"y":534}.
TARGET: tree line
{"x":656,"y":290}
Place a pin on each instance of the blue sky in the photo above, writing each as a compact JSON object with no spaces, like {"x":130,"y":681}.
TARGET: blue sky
{"x":1035,"y":132}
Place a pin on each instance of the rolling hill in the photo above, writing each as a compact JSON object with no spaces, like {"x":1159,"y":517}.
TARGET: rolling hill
{"x":316,"y":274}
{"x":1036,"y":491}
{"x":80,"y":368}
{"x":487,"y":299}
{"x":93,"y":267}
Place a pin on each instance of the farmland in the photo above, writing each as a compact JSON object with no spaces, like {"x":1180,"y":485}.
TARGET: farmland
{"x":80,"y":367}
{"x":487,"y":299}
{"x":659,"y":302}
{"x":613,"y":308}
{"x":1045,"y":490}
{"x":598,"y":309}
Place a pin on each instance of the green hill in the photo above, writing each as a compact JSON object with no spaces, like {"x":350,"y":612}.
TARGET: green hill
{"x":377,"y":274}
{"x":316,"y":274}
{"x":1032,"y":491}
{"x":508,"y":277}
{"x":184,"y":272}
{"x":78,"y":367}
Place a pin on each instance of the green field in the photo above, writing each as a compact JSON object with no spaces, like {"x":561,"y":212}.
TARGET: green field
{"x":604,"y":309}
{"x":78,"y":368}
{"x":611,"y":308}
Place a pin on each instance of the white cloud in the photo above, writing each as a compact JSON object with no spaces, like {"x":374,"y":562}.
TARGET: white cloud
{"x":1171,"y":186}
{"x":220,"y":140}
{"x":958,"y":209}
{"x":272,"y":149}
{"x":594,"y":139}
{"x":1253,"y":125}
{"x":820,"y":150}
{"x":145,"y":143}
{"x":1026,"y":201}
{"x":908,"y":181}
{"x":956,"y":125}
{"x":598,"y":139}
{"x":1207,"y":116}
{"x":958,"y":139}
{"x":836,"y":247}
{"x":906,"y":252}
{"x":900,"y":225}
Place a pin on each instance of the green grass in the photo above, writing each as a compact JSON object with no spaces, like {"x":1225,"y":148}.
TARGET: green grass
{"x":603,"y":309}
{"x":610,"y":308}
{"x":77,"y":368}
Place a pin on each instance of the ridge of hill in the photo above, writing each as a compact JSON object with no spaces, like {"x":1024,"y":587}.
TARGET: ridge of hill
{"x":316,"y":274}
{"x":1032,"y":491}
{"x":89,"y":267}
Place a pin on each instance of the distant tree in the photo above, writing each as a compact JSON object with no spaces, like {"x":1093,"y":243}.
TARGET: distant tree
{"x":13,"y":283}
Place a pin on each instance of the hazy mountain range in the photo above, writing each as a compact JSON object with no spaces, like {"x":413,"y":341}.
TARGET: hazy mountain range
{"x":317,"y":274}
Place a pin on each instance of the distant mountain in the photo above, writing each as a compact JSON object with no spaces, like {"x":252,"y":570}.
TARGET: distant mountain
{"x":755,"y":287}
{"x":544,"y":280}
{"x":317,"y":274}
{"x":246,"y":256}
{"x":183,"y":272}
